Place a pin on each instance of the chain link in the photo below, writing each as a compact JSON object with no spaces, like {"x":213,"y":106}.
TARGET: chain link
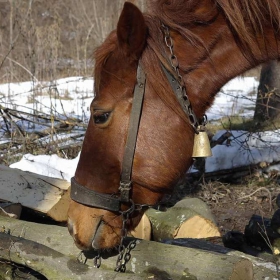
{"x":173,"y":58}
{"x":175,"y":65}
{"x":97,"y":260}
{"x":124,"y":257}
{"x":124,"y":253}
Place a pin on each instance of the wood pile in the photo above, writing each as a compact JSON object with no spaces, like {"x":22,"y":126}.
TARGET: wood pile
{"x":49,"y":196}
{"x":182,"y":232}
{"x":50,"y":250}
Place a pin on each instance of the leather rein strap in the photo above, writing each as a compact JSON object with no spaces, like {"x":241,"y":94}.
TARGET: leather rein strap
{"x":112,"y":202}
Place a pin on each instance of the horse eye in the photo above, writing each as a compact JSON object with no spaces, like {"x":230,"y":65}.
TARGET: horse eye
{"x":101,"y":118}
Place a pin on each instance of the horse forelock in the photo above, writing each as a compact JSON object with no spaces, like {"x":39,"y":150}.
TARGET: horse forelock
{"x":101,"y":54}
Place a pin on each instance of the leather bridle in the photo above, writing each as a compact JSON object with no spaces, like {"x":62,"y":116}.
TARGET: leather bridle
{"x":113,"y":202}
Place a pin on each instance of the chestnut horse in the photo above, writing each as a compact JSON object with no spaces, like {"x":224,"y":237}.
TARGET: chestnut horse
{"x":212,"y":41}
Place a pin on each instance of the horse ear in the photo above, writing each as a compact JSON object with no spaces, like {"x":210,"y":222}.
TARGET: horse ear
{"x":131,"y":31}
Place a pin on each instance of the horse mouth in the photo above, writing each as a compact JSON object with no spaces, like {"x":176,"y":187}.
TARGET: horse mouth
{"x":106,"y":236}
{"x":91,"y":243}
{"x":97,"y":235}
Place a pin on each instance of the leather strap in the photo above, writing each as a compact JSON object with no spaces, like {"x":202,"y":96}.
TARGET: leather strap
{"x":180,"y":93}
{"x":92,"y":198}
{"x":89,"y":197}
{"x":135,"y":116}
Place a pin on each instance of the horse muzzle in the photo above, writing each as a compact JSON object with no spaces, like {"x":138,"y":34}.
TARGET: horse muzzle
{"x":93,"y":228}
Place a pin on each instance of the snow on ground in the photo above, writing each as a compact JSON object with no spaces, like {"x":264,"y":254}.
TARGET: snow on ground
{"x":71,"y":95}
{"x":51,"y":166}
{"x":235,"y":98}
{"x":244,"y":149}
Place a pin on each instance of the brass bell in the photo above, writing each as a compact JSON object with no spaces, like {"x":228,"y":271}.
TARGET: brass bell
{"x":201,"y":147}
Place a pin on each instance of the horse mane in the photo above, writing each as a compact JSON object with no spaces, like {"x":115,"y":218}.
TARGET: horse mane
{"x":246,"y":18}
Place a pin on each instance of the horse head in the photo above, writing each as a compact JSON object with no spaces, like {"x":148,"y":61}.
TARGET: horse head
{"x":213,"y":41}
{"x":163,"y":141}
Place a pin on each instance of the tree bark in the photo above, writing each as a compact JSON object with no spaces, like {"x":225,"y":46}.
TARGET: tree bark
{"x":268,"y":97}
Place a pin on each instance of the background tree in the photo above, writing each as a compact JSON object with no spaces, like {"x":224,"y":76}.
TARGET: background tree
{"x":50,"y":39}
{"x":268,"y":97}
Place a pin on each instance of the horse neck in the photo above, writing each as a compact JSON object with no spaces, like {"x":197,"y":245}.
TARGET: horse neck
{"x":206,"y":68}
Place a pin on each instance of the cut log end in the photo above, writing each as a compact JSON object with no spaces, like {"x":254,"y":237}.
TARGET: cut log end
{"x":197,"y":227}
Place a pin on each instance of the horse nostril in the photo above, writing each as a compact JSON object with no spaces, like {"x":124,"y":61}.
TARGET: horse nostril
{"x":70,"y":226}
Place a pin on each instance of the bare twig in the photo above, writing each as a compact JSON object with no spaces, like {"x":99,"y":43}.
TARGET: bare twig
{"x":257,"y":190}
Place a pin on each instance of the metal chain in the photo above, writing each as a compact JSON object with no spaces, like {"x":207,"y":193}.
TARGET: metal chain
{"x":175,"y":65}
{"x":97,"y":260}
{"x":124,"y":253}
{"x":173,"y":58}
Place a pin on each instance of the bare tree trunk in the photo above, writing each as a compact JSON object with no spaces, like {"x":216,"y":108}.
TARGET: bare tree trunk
{"x":11,"y":47}
{"x":268,"y":99}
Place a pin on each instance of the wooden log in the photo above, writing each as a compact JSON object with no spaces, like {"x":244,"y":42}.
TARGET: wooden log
{"x":190,"y":218}
{"x":53,"y":264}
{"x":9,"y":270}
{"x":143,"y":230}
{"x":150,"y":260}
{"x":41,"y":193}
{"x":52,"y":236}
